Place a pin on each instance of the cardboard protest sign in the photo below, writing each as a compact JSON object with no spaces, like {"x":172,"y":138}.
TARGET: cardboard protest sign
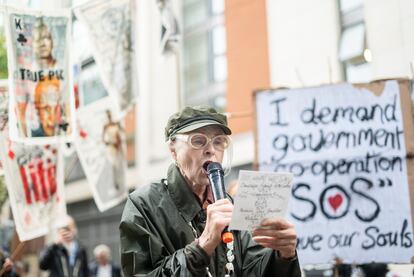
{"x":349,"y":149}
{"x":101,"y":147}
{"x":41,"y":95}
{"x":34,"y":180}
{"x":109,"y":24}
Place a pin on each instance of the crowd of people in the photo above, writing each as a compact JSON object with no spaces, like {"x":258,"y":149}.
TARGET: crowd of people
{"x":66,"y":257}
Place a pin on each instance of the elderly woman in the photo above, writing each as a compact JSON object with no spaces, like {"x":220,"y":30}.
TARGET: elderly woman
{"x":173,"y":228}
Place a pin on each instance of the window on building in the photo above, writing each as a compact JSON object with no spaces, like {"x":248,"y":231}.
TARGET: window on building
{"x":204,"y":53}
{"x":354,"y":52}
{"x":352,"y":44}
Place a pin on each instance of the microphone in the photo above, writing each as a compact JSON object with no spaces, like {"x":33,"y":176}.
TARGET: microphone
{"x":216,"y":178}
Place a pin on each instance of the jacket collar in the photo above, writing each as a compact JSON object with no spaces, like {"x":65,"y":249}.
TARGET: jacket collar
{"x":180,"y":192}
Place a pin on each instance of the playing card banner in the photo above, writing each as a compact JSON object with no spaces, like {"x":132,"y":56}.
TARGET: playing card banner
{"x":101,"y":147}
{"x":34,"y":182}
{"x":41,"y":94}
{"x":109,"y":24}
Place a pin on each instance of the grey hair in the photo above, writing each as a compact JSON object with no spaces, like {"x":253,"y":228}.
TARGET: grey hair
{"x":102,"y":248}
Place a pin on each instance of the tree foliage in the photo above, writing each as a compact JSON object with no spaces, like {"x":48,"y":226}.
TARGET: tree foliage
{"x":3,"y":57}
{"x":3,"y":191}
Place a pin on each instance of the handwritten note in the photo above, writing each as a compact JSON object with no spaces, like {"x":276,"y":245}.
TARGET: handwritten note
{"x":260,"y":195}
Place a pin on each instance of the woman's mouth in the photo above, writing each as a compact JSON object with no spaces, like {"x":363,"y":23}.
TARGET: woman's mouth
{"x":204,"y":167}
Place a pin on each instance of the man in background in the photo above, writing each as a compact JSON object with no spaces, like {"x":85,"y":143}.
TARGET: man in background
{"x":6,"y":266}
{"x":103,"y":266}
{"x":66,"y":257}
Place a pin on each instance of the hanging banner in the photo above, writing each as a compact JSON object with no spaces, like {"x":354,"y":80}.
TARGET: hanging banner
{"x":39,"y":75}
{"x":170,"y":32}
{"x":349,"y":149}
{"x":4,"y":106}
{"x":4,"y":112}
{"x":34,"y":180}
{"x":109,"y":24}
{"x":101,"y":147}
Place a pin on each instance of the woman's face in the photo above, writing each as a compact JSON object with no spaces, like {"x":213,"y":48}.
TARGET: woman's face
{"x":42,"y":43}
{"x":191,"y":160}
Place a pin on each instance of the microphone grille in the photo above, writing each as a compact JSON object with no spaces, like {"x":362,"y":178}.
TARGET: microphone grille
{"x":214,"y":166}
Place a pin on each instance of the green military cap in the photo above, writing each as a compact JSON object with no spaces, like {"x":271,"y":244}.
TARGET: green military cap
{"x":192,"y":118}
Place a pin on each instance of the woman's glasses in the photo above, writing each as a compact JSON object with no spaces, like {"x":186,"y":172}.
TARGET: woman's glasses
{"x":199,"y":141}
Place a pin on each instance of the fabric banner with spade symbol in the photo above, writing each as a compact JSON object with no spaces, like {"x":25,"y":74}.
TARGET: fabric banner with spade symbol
{"x":34,"y":180}
{"x":41,"y":96}
{"x":350,"y":149}
{"x":101,"y":147}
{"x":110,"y":24}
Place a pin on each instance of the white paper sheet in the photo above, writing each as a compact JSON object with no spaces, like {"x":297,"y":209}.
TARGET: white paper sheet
{"x":260,"y":195}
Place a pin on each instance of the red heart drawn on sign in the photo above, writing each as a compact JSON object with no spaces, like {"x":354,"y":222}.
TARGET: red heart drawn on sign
{"x":83,"y":134}
{"x":335,"y":201}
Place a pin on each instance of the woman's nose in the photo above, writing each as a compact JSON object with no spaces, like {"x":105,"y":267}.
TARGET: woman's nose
{"x":209,"y":148}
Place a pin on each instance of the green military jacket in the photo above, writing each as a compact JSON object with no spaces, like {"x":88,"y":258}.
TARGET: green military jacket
{"x":159,"y":225}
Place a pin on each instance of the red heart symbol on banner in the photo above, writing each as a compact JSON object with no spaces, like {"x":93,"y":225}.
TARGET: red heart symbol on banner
{"x":335,"y":201}
{"x":83,"y":133}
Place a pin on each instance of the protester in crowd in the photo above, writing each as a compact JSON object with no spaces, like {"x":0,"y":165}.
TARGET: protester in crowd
{"x":6,"y":266}
{"x":103,"y":266}
{"x":374,"y":269}
{"x":342,"y":270}
{"x":65,"y":257}
{"x":173,"y":228}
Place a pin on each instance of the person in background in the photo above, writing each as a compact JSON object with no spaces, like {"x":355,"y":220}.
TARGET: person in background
{"x":342,"y":270}
{"x":66,"y":257}
{"x":103,"y":266}
{"x":174,"y":227}
{"x":6,"y":266}
{"x":374,"y":269}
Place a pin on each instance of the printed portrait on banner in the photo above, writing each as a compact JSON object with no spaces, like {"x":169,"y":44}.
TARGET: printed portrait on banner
{"x":34,"y":182}
{"x":40,"y":83}
{"x":101,"y":147}
{"x":109,"y":24}
{"x":347,"y":147}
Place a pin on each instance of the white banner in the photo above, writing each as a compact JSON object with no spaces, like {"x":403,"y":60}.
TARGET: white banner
{"x":101,"y":147}
{"x":345,"y":147}
{"x":41,"y":91}
{"x":109,"y":24}
{"x":34,"y":179}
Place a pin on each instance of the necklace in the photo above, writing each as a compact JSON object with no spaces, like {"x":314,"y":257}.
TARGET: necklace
{"x":230,"y":259}
{"x":230,"y":255}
